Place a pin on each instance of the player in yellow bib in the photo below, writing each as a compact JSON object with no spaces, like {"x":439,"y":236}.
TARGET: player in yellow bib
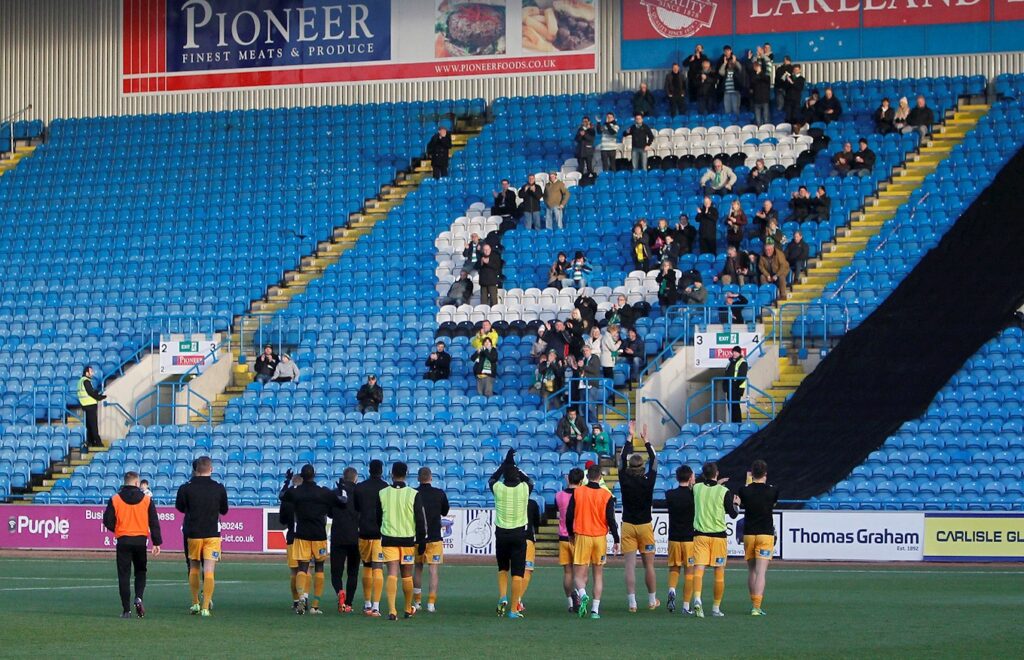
{"x":403,"y":535}
{"x":712,"y":501}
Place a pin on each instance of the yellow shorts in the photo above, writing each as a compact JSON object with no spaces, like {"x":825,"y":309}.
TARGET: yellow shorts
{"x":710,"y":551}
{"x":434,"y":554}
{"x":404,"y":555}
{"x":590,"y":550}
{"x":565,"y":553}
{"x":758,"y":546}
{"x":531,"y":554}
{"x":680,"y":553}
{"x":370,"y":551}
{"x":292,"y":562}
{"x":637,"y":537}
{"x":204,"y":549}
{"x":303,"y":550}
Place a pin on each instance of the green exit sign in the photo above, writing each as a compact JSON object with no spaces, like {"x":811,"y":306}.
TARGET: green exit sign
{"x":188,"y":347}
{"x":727,"y":338}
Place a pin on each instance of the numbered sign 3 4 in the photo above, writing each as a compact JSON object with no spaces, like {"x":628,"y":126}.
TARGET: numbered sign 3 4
{"x":712,"y":350}
{"x":180,"y":353}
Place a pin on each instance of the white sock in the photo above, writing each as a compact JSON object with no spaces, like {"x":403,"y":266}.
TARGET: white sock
{"x":581,"y":592}
{"x":686,"y":607}
{"x":652,"y":599}
{"x":417,"y":592}
{"x":430,"y":607}
{"x":367,"y":605}
{"x":632,"y":600}
{"x":376,"y":606}
{"x":569,"y":598}
{"x":672,"y":592}
{"x":596,"y":607}
{"x":714,"y":608}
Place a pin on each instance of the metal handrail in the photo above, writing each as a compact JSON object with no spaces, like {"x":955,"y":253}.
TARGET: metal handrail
{"x":667,"y":415}
{"x":592,"y":407}
{"x":10,"y":121}
{"x":802,"y":313}
{"x":129,"y":419}
{"x":180,"y":385}
{"x":713,"y":403}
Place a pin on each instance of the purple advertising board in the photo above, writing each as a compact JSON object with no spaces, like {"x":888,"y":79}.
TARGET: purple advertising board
{"x":80,"y":527}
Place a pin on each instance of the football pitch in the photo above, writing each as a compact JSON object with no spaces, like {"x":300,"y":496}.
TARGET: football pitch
{"x":69,"y":607}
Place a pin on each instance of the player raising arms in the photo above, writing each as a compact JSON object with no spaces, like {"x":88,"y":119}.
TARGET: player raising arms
{"x":562,"y":498}
{"x":711,"y":502}
{"x":511,"y":490}
{"x":312,"y":504}
{"x":403,"y":529}
{"x":532,"y":525}
{"x":435,"y":505}
{"x":589,"y":519}
{"x":368,"y":507}
{"x":637,"y":487}
{"x":679,"y":502}
{"x":758,"y":499}
{"x":203,"y":501}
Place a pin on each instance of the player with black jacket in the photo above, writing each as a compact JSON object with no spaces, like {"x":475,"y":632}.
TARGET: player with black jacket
{"x":370,"y":551}
{"x":435,"y":506}
{"x":345,"y":544}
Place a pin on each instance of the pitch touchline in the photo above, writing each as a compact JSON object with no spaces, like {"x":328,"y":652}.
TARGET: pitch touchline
{"x":113,"y":585}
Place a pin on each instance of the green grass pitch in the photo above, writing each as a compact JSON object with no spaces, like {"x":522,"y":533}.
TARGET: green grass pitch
{"x":66,"y":607}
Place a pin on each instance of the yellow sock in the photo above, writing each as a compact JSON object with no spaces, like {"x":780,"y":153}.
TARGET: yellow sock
{"x":527,"y":576}
{"x":318,"y":587}
{"x":208,"y":584}
{"x":392,"y":590}
{"x":295,"y":591}
{"x":687,"y":587}
{"x":300,"y":582}
{"x":378,"y":584}
{"x":517,"y":589}
{"x":367,"y":584}
{"x":719,"y":585}
{"x":407,"y":592}
{"x":502,"y":584}
{"x":673,"y":577}
{"x":698,"y":583}
{"x":432,"y":598}
{"x":193,"y":584}
{"x":756,"y":600}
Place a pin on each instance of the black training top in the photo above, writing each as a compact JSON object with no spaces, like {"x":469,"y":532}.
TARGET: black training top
{"x":203,"y":501}
{"x":680,"y":514}
{"x":637,"y":490}
{"x":758,"y":501}
{"x":435,"y":505}
{"x":368,"y":506}
{"x":312,"y":504}
{"x":532,"y":520}
{"x":345,"y":525}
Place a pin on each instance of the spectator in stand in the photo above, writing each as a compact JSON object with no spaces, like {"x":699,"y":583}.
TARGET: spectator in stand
{"x":883,"y":118}
{"x":792,"y":84}
{"x":809,"y":112}
{"x":797,"y":254}
{"x":707,"y":221}
{"x":758,"y":179}
{"x":780,"y":76}
{"x":735,"y":224}
{"x":820,"y":208}
{"x":621,"y":313}
{"x":718,"y":179}
{"x":693,"y":293}
{"x":489,"y":269}
{"x":370,"y":395}
{"x":730,"y":72}
{"x":842,"y":161}
{"x":611,"y":344}
{"x":675,"y":90}
{"x":694,"y":64}
{"x":667,"y":287}
{"x":559,"y":271}
{"x":531,"y":193}
{"x":485,"y":367}
{"x":920,"y":118}
{"x":774,"y":268}
{"x":504,"y":201}
{"x":641,"y":248}
{"x":286,"y":370}
{"x":579,"y":327}
{"x":642,"y":137}
{"x":735,"y":267}
{"x":460,"y":292}
{"x":766,"y":58}
{"x":829,"y":107}
{"x":485,"y":331}
{"x":899,"y":119}
{"x":579,"y":270}
{"x":570,"y":431}
{"x":586,"y":371}
{"x":438,"y":150}
{"x":548,"y":379}
{"x":764,"y":215}
{"x":539,"y":348}
{"x":736,"y":387}
{"x":471,"y":253}
{"x":266,"y":365}
{"x":707,"y":86}
{"x":863,"y":160}
{"x":558,"y":339}
{"x":772,"y":233}
{"x":761,"y":94}
{"x":609,"y":142}
{"x":669,"y":250}
{"x":747,"y":64}
{"x":634,"y":352}
{"x":660,"y":233}
{"x":800,"y":205}
{"x":685,"y":234}
{"x":598,"y":441}
{"x":735,"y":304}
{"x":643,"y":101}
{"x":593,"y":340}
{"x":585,"y":137}
{"x":556,"y":196}
{"x":439,"y":364}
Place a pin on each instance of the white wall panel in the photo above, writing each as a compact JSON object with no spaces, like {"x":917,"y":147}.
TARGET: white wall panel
{"x":63,"y":56}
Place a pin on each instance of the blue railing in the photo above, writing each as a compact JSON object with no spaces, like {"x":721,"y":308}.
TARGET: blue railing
{"x":594,"y":398}
{"x":802,"y":319}
{"x":722,"y":384}
{"x":666,"y":415}
{"x":176,"y":387}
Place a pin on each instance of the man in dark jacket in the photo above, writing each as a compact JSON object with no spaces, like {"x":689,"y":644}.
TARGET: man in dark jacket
{"x":761,"y":94}
{"x":558,"y":339}
{"x":570,"y":431}
{"x":460,"y":292}
{"x":266,"y":364}
{"x":504,"y":201}
{"x":863,"y":160}
{"x":920,"y":118}
{"x":829,"y":107}
{"x":203,"y":501}
{"x":438,"y":150}
{"x":643,"y":101}
{"x":345,"y":543}
{"x":585,"y":137}
{"x":370,"y":550}
{"x":435,"y":506}
{"x":489,"y":269}
{"x":131,"y":516}
{"x":530,"y":195}
{"x":675,"y":90}
{"x":797,"y":253}
{"x":792,"y":84}
{"x":694,"y":63}
{"x":707,"y":221}
{"x":439,"y":364}
{"x":780,"y":74}
{"x":642,"y":137}
{"x":636,"y":485}
{"x":89,"y":400}
{"x":685,"y":234}
{"x":736,"y":386}
{"x":707,"y":87}
{"x":370,"y":395}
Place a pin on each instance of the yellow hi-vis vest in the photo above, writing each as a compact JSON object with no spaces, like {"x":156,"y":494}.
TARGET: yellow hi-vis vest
{"x":83,"y":396}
